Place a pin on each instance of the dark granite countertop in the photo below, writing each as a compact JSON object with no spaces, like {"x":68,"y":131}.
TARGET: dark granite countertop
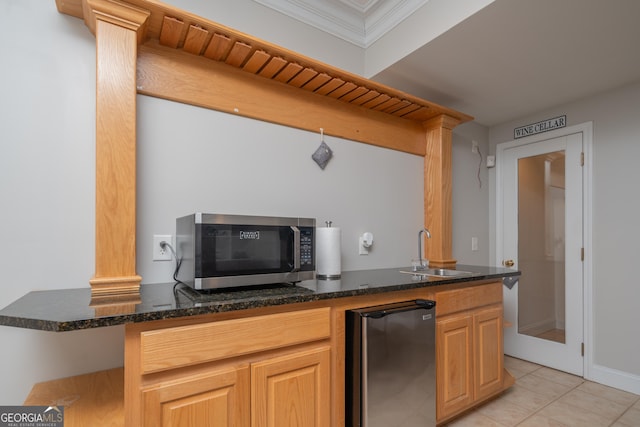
{"x":72,"y":309}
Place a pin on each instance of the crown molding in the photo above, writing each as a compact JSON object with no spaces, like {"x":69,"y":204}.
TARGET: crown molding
{"x":360,"y":22}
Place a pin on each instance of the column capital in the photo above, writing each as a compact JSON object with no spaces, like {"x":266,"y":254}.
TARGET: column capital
{"x":117,"y":13}
{"x":441,"y":121}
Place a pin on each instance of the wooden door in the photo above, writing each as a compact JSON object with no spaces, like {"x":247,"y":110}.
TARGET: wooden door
{"x":454,"y":364}
{"x":213,"y":399}
{"x":292,"y":390}
{"x":489,"y":359}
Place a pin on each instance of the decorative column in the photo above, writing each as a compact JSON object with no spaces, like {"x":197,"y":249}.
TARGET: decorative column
{"x":118,"y":28}
{"x":437,"y":191}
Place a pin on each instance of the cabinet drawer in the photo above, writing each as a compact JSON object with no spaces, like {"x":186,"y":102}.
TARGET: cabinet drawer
{"x":448,"y":302}
{"x":188,"y":345}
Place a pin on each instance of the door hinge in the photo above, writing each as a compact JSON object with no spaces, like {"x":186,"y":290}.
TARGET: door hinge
{"x":582,"y":158}
{"x":582,"y":349}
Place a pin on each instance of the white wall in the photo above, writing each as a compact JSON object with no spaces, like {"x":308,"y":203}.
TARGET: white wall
{"x":197,"y":160}
{"x":614,"y":338}
{"x":470,"y":200}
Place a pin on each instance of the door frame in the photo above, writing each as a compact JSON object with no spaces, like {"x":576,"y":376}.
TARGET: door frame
{"x":587,"y":211}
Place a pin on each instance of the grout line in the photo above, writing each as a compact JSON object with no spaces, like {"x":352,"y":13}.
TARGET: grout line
{"x":570,"y":389}
{"x":625,"y":411}
{"x":551,"y":402}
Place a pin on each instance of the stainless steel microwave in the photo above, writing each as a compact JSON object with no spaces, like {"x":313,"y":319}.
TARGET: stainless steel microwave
{"x":220,"y":251}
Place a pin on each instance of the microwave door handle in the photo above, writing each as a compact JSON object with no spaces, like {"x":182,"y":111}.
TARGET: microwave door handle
{"x":296,"y":248}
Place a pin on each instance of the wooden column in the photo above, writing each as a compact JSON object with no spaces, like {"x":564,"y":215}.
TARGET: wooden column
{"x":437,"y":191}
{"x":118,"y":28}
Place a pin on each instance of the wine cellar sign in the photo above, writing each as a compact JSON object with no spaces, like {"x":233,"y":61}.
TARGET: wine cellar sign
{"x":539,"y":127}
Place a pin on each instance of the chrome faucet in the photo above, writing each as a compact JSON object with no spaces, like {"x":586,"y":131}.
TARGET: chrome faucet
{"x":420,"y":259}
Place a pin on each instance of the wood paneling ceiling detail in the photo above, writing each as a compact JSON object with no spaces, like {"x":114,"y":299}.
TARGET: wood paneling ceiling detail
{"x":194,"y":35}
{"x":252,"y":57}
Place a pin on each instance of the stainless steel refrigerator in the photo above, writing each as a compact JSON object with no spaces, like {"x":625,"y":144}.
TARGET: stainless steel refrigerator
{"x":390,"y":365}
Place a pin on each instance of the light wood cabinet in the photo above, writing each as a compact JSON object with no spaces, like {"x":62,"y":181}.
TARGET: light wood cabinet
{"x":454,"y":359}
{"x":277,"y":368}
{"x":469,"y":348}
{"x":292,"y":390}
{"x":214,"y":399}
{"x":269,"y":370}
{"x":488,"y":351}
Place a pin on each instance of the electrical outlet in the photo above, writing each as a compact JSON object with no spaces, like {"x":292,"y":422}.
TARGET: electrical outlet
{"x":474,"y":147}
{"x":160,"y":253}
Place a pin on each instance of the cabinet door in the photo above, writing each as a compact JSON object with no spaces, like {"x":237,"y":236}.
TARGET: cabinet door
{"x":454,"y":376}
{"x":292,"y":390}
{"x":212,"y":399}
{"x":489,"y":359}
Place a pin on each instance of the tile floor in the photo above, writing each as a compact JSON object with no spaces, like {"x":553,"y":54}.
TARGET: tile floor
{"x":544,"y":397}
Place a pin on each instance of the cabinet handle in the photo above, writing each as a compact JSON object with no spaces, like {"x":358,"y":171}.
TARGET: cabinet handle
{"x":508,"y":262}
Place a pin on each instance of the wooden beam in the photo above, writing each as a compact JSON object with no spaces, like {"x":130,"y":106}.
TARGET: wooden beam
{"x":438,"y":190}
{"x":116,"y":28}
{"x":170,"y":74}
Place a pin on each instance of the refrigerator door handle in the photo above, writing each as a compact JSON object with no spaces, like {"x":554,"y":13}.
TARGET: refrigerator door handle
{"x":426,"y":304}
{"x":419,"y":304}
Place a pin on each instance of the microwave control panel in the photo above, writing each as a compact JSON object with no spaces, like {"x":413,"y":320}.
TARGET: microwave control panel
{"x":306,"y":248}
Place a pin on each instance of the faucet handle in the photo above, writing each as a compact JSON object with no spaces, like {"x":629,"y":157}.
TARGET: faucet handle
{"x":418,"y":264}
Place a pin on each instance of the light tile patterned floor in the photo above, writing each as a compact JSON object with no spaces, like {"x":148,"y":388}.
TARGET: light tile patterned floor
{"x":544,"y":397}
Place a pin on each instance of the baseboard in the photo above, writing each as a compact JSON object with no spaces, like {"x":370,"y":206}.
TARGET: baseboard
{"x":614,"y":378}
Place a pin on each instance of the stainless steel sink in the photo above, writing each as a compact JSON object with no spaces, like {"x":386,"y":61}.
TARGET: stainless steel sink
{"x":438,"y":272}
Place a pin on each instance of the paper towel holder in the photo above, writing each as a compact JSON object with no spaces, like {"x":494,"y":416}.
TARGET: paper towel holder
{"x":366,"y":241}
{"x":328,"y":266}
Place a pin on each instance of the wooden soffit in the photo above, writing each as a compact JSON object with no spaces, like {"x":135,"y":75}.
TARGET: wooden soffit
{"x":188,"y":34}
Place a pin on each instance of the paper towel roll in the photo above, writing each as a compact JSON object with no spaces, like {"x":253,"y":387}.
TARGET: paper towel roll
{"x":328,"y":252}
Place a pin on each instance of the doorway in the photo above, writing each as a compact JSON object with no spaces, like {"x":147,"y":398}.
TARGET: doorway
{"x":540,"y":231}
